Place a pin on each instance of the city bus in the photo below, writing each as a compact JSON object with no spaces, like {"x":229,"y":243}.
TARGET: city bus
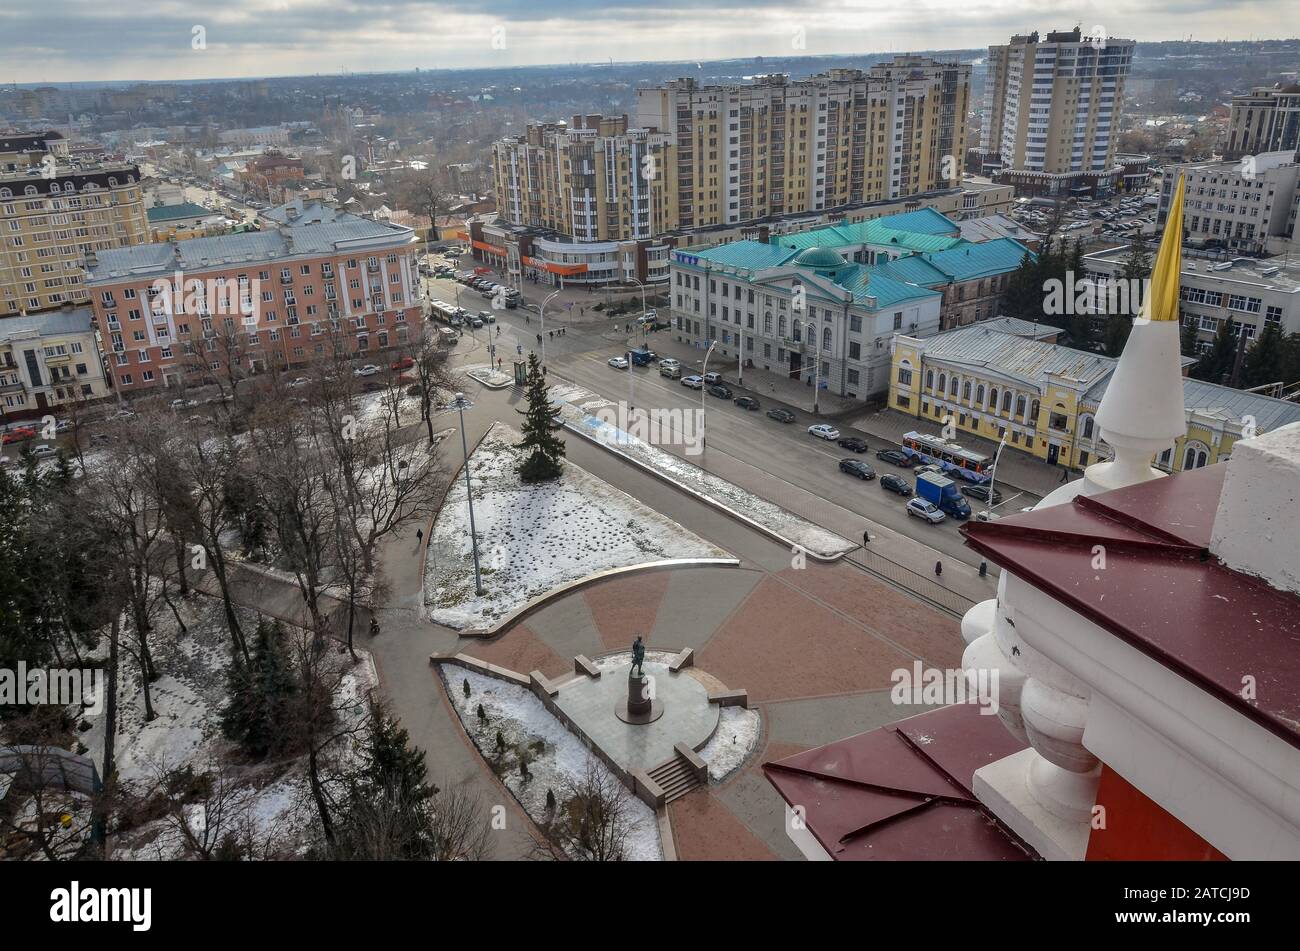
{"x":445,"y":313}
{"x":924,"y":448}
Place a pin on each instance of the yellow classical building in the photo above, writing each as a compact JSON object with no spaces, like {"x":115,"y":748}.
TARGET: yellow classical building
{"x":1008,"y":378}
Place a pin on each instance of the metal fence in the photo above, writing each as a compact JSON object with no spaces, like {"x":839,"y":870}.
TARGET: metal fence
{"x":925,"y":588}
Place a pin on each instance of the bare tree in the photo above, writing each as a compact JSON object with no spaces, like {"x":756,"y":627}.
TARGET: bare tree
{"x":592,"y":821}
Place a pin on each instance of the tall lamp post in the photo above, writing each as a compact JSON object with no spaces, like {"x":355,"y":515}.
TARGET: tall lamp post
{"x":643,"y":303}
{"x":993,"y":476}
{"x":542,"y":313}
{"x":460,"y":403}
{"x":704,"y":387}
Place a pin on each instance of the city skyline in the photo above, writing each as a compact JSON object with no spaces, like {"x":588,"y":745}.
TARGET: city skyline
{"x":64,"y":41}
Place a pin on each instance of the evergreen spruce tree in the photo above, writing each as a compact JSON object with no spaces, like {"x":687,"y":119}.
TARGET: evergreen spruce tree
{"x":1187,"y":337}
{"x":542,"y":449}
{"x":1023,"y":297}
{"x":1263,"y":361}
{"x":257,"y":712}
{"x":393,"y":767}
{"x":1215,"y":364}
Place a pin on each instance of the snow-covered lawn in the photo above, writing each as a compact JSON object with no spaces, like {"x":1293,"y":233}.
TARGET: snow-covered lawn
{"x":555,"y":756}
{"x":735,"y":739}
{"x":533,"y":538}
{"x":488,"y":376}
{"x":578,"y":413}
{"x":271,"y":799}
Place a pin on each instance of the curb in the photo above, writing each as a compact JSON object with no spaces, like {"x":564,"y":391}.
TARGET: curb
{"x":708,"y":500}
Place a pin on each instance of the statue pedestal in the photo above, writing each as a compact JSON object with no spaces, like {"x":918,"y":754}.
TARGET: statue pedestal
{"x":640,"y":706}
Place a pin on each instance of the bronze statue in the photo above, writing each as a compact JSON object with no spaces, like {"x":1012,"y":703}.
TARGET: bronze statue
{"x":638,"y":656}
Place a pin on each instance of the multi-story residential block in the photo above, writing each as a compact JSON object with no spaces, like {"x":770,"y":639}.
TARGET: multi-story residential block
{"x":841,"y":138}
{"x":1247,"y":205}
{"x":171,"y":313}
{"x":1044,"y":398}
{"x":1265,"y":120}
{"x":47,"y":361}
{"x":265,"y":175}
{"x":1248,"y":292}
{"x":593,"y":180}
{"x":1051,"y":111}
{"x":53,"y":211}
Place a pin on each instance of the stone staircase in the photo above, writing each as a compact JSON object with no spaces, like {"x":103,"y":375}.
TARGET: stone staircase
{"x":676,"y":777}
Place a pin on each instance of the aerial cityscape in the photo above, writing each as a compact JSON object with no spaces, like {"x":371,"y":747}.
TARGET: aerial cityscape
{"x":670,"y":434}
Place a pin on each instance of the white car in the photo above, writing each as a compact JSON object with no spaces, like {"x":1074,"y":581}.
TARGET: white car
{"x":42,"y":450}
{"x":822,"y":431}
{"x":368,"y":370}
{"x":694,"y":382}
{"x":121,"y":414}
{"x":920,"y":508}
{"x":618,"y":363}
{"x":713,"y":379}
{"x":300,"y":381}
{"x":669,"y":362}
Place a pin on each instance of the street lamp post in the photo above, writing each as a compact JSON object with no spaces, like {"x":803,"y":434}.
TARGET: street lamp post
{"x":542,"y":314}
{"x":993,"y":476}
{"x":461,"y":403}
{"x":704,"y":388}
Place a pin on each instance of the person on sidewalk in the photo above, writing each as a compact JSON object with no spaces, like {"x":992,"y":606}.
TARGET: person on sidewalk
{"x":1065,"y":474}
{"x":938,"y":569}
{"x":419,"y":532}
{"x":374,"y":626}
{"x":866,"y":538}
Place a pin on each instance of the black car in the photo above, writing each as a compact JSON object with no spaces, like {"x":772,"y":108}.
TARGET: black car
{"x":853,"y":444}
{"x":892,"y":456}
{"x":781,"y":415}
{"x":897,"y":484}
{"x":746,"y":402}
{"x":981,"y":492}
{"x":720,"y":391}
{"x":856,"y":467}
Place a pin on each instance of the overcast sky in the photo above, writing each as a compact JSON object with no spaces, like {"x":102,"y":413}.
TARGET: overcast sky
{"x":67,"y":40}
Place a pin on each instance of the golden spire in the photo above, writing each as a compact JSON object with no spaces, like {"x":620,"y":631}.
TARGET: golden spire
{"x":1162,"y":301}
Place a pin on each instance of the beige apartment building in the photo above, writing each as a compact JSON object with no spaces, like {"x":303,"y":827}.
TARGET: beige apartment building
{"x":841,"y":138}
{"x":1267,"y":119}
{"x":53,"y":211}
{"x":47,"y":361}
{"x":1051,"y":108}
{"x":595,"y":179}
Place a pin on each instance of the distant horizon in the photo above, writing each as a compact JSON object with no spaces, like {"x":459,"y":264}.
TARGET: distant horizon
{"x":66,"y":42}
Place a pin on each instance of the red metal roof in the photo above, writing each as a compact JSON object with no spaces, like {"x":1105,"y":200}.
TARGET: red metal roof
{"x":903,"y":791}
{"x":1161,"y":591}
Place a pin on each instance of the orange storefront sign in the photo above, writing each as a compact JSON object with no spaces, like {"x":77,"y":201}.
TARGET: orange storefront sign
{"x":491,"y":248}
{"x":564,"y":270}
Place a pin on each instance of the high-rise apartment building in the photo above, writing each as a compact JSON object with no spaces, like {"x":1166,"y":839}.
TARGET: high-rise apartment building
{"x":1266,"y":120}
{"x":593,"y":180}
{"x":54,"y":209}
{"x":840,"y":138}
{"x":1051,"y":109}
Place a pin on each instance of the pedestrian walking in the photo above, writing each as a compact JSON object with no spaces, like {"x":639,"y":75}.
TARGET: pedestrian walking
{"x":550,"y":334}
{"x":419,"y":534}
{"x":374,"y":626}
{"x":866,"y":538}
{"x":938,"y":569}
{"x":1065,"y":474}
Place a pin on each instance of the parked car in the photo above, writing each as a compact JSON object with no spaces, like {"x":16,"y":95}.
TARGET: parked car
{"x":712,"y":378}
{"x":42,"y":450}
{"x":746,"y":402}
{"x":780,"y":415}
{"x":17,"y":434}
{"x":853,"y":444}
{"x":618,"y":363}
{"x":300,"y":381}
{"x":720,"y":391}
{"x":927,"y":511}
{"x":856,"y":467}
{"x":896,"y":484}
{"x":671,"y":370}
{"x":823,"y":431}
{"x":982,"y":493}
{"x":63,"y":425}
{"x":403,"y":364}
{"x":368,"y":370}
{"x":122,"y":414}
{"x":693,"y":381}
{"x":892,"y":456}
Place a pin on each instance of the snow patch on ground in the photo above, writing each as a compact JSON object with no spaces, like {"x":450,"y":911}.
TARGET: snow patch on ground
{"x":534,"y":538}
{"x":523,"y":722}
{"x":736,"y":737}
{"x":798,"y":531}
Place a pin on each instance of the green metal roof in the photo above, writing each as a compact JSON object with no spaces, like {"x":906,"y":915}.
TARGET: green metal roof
{"x":818,"y":258}
{"x":186,"y":209}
